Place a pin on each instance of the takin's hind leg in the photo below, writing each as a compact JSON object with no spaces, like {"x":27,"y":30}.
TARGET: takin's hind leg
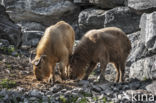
{"x":51,"y":78}
{"x":122,"y":72}
{"x":103,"y":65}
{"x":89,"y":70}
{"x":63,"y":67}
{"x":116,"y":65}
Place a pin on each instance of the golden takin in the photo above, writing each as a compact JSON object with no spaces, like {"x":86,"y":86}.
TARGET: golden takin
{"x":55,"y":46}
{"x":107,"y":45}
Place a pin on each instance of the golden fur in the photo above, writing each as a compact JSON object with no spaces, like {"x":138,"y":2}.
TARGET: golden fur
{"x":103,"y":45}
{"x":57,"y":44}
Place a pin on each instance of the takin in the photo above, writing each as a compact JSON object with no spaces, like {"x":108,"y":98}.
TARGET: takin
{"x":107,"y":45}
{"x":55,"y":46}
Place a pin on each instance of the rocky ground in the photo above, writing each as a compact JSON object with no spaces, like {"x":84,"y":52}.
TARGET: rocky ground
{"x":22,"y":24}
{"x":18,"y":85}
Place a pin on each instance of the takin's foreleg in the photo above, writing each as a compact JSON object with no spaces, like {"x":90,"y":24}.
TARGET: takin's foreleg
{"x":51,"y":78}
{"x":64,"y":65}
{"x":90,"y":68}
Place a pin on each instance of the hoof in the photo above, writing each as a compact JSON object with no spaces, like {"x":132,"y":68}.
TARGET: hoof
{"x":50,"y":80}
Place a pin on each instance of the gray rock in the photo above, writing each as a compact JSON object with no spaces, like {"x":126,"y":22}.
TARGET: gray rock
{"x":45,"y":99}
{"x":36,"y":93}
{"x":90,"y":19}
{"x":105,"y":86}
{"x":134,"y":85}
{"x":44,"y":12}
{"x":142,"y":4}
{"x":144,"y":68}
{"x":96,"y":88}
{"x":152,"y":87}
{"x":84,"y":83}
{"x":107,"y":3}
{"x":124,"y":18}
{"x":148,"y":30}
{"x":56,"y":88}
{"x":31,"y":38}
{"x":8,"y":30}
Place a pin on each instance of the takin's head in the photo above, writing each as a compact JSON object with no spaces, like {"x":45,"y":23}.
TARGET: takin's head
{"x":40,"y":68}
{"x":76,"y":67}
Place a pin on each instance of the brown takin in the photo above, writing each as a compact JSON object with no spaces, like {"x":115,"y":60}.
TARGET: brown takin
{"x":107,"y":45}
{"x":55,"y":46}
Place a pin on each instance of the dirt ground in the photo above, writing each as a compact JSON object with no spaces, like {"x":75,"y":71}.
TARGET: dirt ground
{"x":19,"y":70}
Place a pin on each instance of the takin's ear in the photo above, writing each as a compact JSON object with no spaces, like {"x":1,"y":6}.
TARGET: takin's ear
{"x":36,"y":62}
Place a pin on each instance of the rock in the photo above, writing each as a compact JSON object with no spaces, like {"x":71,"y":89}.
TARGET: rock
{"x":105,"y":86}
{"x":8,"y":30}
{"x":107,"y":3}
{"x":32,"y":37}
{"x":84,"y":83}
{"x":152,"y":87}
{"x":134,"y":85}
{"x":124,"y":18}
{"x":148,"y":30}
{"x":96,"y":88}
{"x":90,"y":19}
{"x":138,"y":48}
{"x":141,"y":4}
{"x":44,"y":12}
{"x":55,"y":88}
{"x":144,"y":69}
{"x":34,"y":16}
{"x":36,"y":93}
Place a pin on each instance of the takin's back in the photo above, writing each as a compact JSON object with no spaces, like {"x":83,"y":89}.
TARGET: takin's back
{"x":113,"y":39}
{"x":56,"y":38}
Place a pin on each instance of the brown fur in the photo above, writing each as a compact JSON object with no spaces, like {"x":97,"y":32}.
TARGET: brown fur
{"x":104,"y":46}
{"x":57,"y":44}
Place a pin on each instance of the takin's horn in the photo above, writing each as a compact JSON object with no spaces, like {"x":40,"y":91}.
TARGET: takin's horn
{"x":37,"y":62}
{"x":30,"y":58}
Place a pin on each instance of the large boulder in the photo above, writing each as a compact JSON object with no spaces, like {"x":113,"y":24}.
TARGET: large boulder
{"x":138,"y":50}
{"x":90,"y":19}
{"x":124,"y":18}
{"x":9,"y":30}
{"x":35,"y":15}
{"x":144,"y":69}
{"x":142,"y":59}
{"x":32,"y":33}
{"x":148,"y":30}
{"x":45,"y":12}
{"x":107,"y":3}
{"x":142,"y":4}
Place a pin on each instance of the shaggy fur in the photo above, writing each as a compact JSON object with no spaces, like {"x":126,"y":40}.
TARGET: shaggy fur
{"x":55,"y":46}
{"x":103,"y":45}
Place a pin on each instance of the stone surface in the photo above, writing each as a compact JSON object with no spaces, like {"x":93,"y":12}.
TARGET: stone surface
{"x":34,"y":16}
{"x":152,"y":87}
{"x":142,"y":4}
{"x":124,"y":18}
{"x":9,"y":30}
{"x":44,"y":12}
{"x":90,"y":19}
{"x":138,"y":50}
{"x":144,"y":69}
{"x":148,"y":30}
{"x":107,"y":3}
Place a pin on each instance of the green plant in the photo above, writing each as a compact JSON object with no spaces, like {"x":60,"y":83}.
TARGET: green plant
{"x":72,"y":99}
{"x":145,"y":78}
{"x":63,"y":99}
{"x":83,"y":100}
{"x":86,"y":94}
{"x":11,"y":49}
{"x":104,"y":99}
{"x":5,"y":83}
